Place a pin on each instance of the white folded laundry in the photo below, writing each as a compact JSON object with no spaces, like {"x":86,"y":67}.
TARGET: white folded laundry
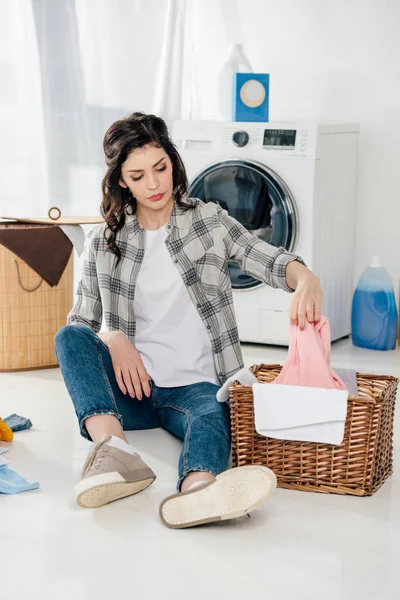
{"x":244,"y":376}
{"x":300,"y":413}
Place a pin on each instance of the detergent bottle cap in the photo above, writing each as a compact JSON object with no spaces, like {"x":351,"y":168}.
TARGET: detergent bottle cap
{"x":375,"y":262}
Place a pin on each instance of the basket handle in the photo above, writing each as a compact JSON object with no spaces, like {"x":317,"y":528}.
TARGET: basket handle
{"x":20,"y":282}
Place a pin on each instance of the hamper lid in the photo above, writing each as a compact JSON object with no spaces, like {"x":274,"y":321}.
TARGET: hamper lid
{"x":54,"y":218}
{"x":60,"y":221}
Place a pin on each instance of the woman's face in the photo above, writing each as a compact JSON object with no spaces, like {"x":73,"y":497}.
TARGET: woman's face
{"x":147,"y":172}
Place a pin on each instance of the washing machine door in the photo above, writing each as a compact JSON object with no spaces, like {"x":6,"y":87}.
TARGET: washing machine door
{"x":255,"y":196}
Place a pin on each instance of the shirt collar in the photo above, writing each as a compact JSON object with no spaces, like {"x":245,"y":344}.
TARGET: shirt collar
{"x":177,"y":219}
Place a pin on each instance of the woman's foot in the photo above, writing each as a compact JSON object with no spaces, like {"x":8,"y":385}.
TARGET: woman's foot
{"x":110,"y":474}
{"x":231,"y":494}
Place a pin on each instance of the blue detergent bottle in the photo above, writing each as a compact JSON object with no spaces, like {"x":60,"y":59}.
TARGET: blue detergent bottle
{"x":374,"y":318}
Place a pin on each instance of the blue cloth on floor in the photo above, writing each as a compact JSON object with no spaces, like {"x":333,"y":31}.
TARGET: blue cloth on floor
{"x":17,"y":423}
{"x":12,"y":483}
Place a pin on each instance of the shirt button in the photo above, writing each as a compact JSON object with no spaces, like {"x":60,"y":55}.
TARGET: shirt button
{"x":168,"y":226}
{"x":176,"y":260}
{"x":220,"y":375}
{"x":208,"y":326}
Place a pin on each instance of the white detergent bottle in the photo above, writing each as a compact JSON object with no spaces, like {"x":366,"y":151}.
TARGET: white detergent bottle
{"x":235,"y":63}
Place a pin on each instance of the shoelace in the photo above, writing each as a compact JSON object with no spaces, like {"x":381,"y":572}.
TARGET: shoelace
{"x":99,"y":458}
{"x":96,"y":457}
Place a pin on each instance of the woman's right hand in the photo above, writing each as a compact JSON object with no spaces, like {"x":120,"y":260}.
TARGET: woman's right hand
{"x":129,"y":369}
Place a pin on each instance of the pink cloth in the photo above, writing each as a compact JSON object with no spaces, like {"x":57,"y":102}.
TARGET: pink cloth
{"x":309,"y":358}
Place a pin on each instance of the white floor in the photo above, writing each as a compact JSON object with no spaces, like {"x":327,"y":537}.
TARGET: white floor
{"x":299,"y":545}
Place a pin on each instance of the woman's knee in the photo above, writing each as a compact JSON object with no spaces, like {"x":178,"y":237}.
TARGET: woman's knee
{"x":72,"y":334}
{"x":216,"y":413}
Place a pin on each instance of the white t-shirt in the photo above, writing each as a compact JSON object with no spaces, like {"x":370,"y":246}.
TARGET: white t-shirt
{"x":170,"y":335}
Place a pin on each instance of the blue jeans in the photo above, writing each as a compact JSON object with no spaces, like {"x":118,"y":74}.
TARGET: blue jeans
{"x":191,"y":412}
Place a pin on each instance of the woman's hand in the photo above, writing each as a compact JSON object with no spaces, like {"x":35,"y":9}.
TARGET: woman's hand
{"x":307,"y":299}
{"x":129,"y":369}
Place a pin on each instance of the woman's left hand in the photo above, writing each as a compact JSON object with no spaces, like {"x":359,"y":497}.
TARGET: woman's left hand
{"x":307,"y":298}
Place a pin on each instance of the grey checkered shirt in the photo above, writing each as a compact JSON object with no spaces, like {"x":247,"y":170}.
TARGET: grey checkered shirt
{"x":201,"y":241}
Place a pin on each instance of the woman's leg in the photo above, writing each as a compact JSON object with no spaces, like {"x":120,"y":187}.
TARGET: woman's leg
{"x":113,"y":469}
{"x":99,"y":426}
{"x":100,"y":406}
{"x":193,"y":414}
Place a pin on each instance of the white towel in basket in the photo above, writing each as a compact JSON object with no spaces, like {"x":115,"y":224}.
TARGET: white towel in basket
{"x":288,"y":412}
{"x":306,"y":414}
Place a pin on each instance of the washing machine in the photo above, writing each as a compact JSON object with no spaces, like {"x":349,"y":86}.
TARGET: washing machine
{"x":293,"y":184}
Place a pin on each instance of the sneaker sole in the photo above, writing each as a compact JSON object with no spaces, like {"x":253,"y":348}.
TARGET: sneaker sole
{"x":99,"y":490}
{"x":230,"y":495}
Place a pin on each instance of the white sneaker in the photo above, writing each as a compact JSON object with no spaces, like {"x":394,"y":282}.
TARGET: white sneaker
{"x":231,"y":494}
{"x":110,"y":474}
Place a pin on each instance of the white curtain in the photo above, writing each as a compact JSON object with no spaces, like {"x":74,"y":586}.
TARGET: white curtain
{"x":22,"y":136}
{"x":68,"y":69}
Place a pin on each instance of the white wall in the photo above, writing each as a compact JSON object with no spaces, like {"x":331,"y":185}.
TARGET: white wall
{"x":328,"y":59}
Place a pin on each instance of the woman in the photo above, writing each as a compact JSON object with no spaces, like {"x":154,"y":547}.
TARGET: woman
{"x":157,"y":274}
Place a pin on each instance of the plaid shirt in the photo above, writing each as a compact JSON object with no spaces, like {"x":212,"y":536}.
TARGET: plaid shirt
{"x":201,"y":241}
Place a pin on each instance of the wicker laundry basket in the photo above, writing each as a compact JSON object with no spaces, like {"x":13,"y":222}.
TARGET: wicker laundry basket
{"x":31,"y":312}
{"x":359,"y":466}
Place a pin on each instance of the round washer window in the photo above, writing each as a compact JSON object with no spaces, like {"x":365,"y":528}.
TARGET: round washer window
{"x":255,"y":196}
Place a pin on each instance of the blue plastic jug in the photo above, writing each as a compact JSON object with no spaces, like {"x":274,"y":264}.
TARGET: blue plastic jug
{"x":374,"y":318}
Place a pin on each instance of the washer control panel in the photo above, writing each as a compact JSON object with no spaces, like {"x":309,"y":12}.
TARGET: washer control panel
{"x":248,"y":139}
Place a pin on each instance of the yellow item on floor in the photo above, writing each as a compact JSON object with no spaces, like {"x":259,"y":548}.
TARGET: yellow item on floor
{"x":6,"y":435}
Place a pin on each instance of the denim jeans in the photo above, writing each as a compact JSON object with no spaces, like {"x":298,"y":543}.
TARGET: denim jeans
{"x":191,"y":412}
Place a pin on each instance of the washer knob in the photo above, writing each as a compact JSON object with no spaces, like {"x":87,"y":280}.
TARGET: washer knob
{"x":240,"y":138}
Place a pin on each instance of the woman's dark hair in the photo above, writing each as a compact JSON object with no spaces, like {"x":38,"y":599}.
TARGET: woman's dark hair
{"x":130,"y":133}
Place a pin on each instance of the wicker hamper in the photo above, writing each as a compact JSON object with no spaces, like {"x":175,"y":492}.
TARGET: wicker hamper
{"x":31,"y":312}
{"x":359,"y":466}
